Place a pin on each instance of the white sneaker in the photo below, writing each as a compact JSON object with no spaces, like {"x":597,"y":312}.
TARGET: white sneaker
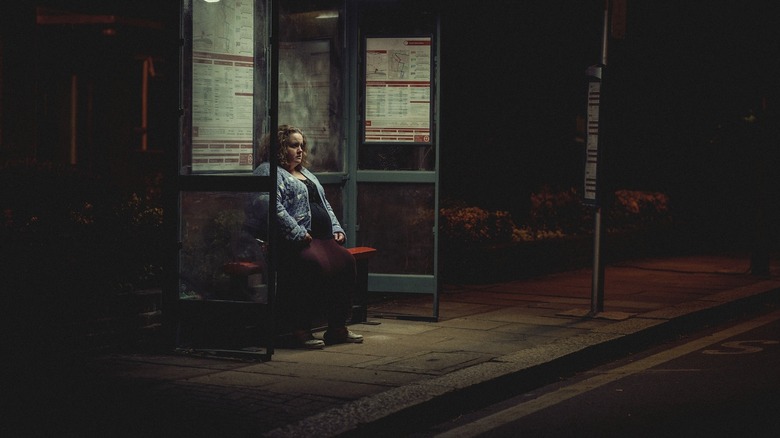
{"x":342,"y":336}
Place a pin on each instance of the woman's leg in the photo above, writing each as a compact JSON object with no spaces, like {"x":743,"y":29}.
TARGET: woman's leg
{"x":337,"y":278}
{"x":297,"y":294}
{"x":337,"y":285}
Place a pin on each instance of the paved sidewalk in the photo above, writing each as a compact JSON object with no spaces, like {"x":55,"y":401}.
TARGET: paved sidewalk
{"x":490,"y":338}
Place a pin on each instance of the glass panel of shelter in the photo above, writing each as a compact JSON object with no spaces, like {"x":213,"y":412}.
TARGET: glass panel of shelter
{"x":221,"y":258}
{"x":398,"y":217}
{"x":223,"y":268}
{"x":226,"y":103}
{"x":311,"y":96}
{"x":398,"y":146}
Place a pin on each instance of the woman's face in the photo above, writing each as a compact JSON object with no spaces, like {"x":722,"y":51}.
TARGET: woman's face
{"x":294,"y":150}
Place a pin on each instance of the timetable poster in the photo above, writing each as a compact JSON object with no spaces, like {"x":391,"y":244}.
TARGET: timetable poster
{"x":222,"y":86}
{"x":398,"y":90}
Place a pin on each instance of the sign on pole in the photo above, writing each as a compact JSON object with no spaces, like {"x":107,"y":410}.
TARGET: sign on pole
{"x":592,"y":135}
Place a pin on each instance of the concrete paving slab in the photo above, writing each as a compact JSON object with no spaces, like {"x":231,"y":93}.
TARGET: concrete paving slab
{"x":630,"y":326}
{"x":392,"y":326}
{"x":487,"y":299}
{"x":607,"y":315}
{"x":744,"y":291}
{"x":521,"y":315}
{"x":556,"y":307}
{"x":186,"y":360}
{"x":456,"y":308}
{"x":461,"y":334}
{"x":238,"y":378}
{"x":157,"y":367}
{"x":437,"y":362}
{"x":370,"y":374}
{"x":471,"y":323}
{"x":546,"y":331}
{"x":508,"y":315}
{"x":395,"y":346}
{"x":158,"y":372}
{"x":655,"y":298}
{"x":699,"y":264}
{"x":679,"y":310}
{"x":365,"y":372}
{"x":325,"y":387}
{"x":490,"y":348}
{"x":344,"y":356}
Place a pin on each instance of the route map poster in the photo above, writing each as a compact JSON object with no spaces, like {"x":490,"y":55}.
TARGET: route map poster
{"x":398,"y":90}
{"x":222,"y":86}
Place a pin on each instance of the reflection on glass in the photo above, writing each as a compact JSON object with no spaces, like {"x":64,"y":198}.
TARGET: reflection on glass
{"x":222,"y":253}
{"x":396,"y":157}
{"x":335,"y":197}
{"x":310,"y":71}
{"x":398,"y":220}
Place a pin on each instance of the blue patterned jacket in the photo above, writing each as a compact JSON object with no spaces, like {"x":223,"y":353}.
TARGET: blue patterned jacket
{"x":293,"y":212}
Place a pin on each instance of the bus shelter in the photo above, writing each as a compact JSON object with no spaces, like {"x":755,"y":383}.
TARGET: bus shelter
{"x":360,"y":78}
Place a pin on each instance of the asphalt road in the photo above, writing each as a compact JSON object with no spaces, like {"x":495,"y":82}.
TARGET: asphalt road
{"x":720,"y":382}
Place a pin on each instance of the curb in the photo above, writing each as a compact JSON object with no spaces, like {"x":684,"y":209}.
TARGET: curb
{"x":400,"y":409}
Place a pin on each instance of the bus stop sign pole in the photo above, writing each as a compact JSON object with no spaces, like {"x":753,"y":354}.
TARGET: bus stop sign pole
{"x":593,"y":172}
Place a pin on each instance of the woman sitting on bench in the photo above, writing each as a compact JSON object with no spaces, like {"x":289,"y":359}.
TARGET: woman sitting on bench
{"x":315,"y":271}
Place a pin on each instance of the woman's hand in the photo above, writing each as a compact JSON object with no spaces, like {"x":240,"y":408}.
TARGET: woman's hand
{"x":339,"y":237}
{"x":307,"y":238}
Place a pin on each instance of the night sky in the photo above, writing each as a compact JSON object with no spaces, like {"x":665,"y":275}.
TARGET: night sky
{"x":513,"y":81}
{"x":513,"y":84}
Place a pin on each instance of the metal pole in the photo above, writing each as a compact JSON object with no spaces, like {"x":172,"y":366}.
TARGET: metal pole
{"x":145,"y":104}
{"x":74,"y":108}
{"x":272,"y":11}
{"x":437,"y":106}
{"x":597,"y":286}
{"x":605,"y":34}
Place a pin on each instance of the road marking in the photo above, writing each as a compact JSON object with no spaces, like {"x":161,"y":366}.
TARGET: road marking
{"x":741,"y":347}
{"x":514,"y":413}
